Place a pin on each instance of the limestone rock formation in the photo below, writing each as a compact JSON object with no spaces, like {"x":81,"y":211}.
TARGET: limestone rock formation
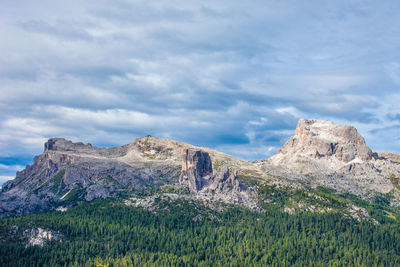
{"x":225,"y":180}
{"x":61,"y":144}
{"x":392,"y":157}
{"x":197,"y":174}
{"x":68,"y":172}
{"x":196,"y":169}
{"x":38,"y":236}
{"x":322,"y":153}
{"x":324,"y":142}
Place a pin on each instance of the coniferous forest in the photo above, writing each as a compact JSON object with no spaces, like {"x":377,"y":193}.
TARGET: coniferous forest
{"x":185,"y":233}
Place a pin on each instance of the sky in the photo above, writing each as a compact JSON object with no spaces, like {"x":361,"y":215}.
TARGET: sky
{"x":235,"y":76}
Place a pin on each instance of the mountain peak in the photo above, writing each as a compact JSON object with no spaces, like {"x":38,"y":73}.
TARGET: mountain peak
{"x":320,"y":153}
{"x":318,"y":141}
{"x":62,"y":144}
{"x":329,"y":131}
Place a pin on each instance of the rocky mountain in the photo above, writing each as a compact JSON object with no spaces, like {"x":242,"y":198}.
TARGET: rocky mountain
{"x":327,"y":144}
{"x":320,"y":153}
{"x":336,"y":156}
{"x":69,"y":172}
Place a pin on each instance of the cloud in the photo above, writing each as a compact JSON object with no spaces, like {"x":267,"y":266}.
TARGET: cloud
{"x":394,"y":117}
{"x":393,"y":70}
{"x":62,"y":29}
{"x":229,"y":75}
{"x":11,"y":167}
{"x":8,"y":172}
{"x":4,"y":179}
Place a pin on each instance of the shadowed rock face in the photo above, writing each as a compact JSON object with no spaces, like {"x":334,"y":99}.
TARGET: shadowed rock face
{"x":225,"y":180}
{"x":197,"y":174}
{"x":196,"y":168}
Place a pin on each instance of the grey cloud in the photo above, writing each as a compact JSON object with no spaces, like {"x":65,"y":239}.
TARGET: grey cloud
{"x":394,"y":117}
{"x":140,"y":12}
{"x":385,"y":129}
{"x":230,"y":75}
{"x":62,"y":29}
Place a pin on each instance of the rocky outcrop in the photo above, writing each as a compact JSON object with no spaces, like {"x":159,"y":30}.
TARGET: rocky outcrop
{"x":207,"y":186}
{"x":61,"y":144}
{"x":197,"y":174}
{"x":196,"y":169}
{"x":324,"y":142}
{"x":39,"y":236}
{"x":322,"y":153}
{"x":67,"y":172}
{"x":225,"y":180}
{"x":392,"y":157}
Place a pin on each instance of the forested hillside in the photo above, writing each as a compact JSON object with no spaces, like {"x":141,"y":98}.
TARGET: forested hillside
{"x":182,"y":233}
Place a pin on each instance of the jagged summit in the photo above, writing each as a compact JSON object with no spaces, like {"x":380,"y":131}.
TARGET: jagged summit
{"x":67,"y":172}
{"x":328,"y":143}
{"x":62,"y":144}
{"x":321,"y":153}
{"x":148,"y":148}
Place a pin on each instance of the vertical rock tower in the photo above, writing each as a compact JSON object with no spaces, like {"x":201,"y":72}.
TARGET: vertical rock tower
{"x":196,"y":169}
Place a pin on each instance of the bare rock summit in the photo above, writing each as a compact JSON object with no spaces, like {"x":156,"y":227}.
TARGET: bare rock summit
{"x":323,"y":153}
{"x":68,"y":172}
{"x":320,"y":153}
{"x":324,"y":143}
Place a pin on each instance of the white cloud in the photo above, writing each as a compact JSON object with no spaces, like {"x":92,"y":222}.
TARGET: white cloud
{"x":4,"y":179}
{"x":291,"y":111}
{"x":225,"y":74}
{"x":8,"y":172}
{"x":11,"y":167}
{"x":393,"y":70}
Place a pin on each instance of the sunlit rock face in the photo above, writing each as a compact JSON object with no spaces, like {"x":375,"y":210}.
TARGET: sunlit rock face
{"x":316,"y":141}
{"x":320,"y":153}
{"x":67,"y":173}
{"x":323,"y":153}
{"x":39,"y":236}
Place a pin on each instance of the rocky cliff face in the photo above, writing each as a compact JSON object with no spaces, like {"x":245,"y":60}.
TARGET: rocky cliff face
{"x":68,"y":172}
{"x":323,"y":141}
{"x":336,"y":156}
{"x":197,"y":174}
{"x":196,"y":169}
{"x":221,"y":185}
{"x":320,"y":153}
{"x":38,"y":236}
